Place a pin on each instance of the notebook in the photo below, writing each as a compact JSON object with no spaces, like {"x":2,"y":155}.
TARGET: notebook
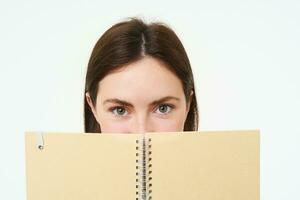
{"x":204,"y":165}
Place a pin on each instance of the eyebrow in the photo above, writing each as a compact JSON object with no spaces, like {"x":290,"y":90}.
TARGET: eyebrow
{"x":125,"y":103}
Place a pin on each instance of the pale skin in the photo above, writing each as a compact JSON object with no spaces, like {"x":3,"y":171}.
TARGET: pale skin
{"x":140,"y":97}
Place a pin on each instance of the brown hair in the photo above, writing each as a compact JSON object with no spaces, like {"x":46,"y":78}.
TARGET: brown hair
{"x":127,"y":42}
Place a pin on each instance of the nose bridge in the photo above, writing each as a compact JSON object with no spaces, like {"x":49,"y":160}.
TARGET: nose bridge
{"x":141,"y":123}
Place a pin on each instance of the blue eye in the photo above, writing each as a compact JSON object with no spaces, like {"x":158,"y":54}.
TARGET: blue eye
{"x":119,"y":111}
{"x":164,"y":108}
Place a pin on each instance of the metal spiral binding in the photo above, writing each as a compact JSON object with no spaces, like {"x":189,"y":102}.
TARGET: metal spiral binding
{"x":143,"y":169}
{"x":149,"y":169}
{"x":40,"y":140}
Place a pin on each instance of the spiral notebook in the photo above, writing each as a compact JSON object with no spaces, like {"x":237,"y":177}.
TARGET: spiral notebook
{"x":210,"y":165}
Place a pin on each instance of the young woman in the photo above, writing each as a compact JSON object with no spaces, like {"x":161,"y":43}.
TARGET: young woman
{"x":139,"y":79}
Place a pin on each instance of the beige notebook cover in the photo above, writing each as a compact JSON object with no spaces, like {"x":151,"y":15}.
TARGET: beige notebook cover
{"x":210,"y":165}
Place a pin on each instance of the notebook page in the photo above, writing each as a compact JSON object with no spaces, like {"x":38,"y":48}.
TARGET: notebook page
{"x":81,"y":166}
{"x":206,"y":165}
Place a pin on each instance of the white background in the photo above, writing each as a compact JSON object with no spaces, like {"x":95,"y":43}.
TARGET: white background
{"x":244,"y":54}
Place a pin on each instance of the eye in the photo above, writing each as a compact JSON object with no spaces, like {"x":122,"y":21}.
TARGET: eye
{"x":119,"y":111}
{"x":165,"y":108}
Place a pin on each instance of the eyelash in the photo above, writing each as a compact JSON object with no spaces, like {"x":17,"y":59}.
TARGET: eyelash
{"x":116,"y":107}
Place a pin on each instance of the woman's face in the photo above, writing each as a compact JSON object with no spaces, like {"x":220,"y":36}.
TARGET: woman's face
{"x":140,"y":97}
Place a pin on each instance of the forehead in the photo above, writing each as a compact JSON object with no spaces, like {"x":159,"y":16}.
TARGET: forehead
{"x":144,"y":80}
